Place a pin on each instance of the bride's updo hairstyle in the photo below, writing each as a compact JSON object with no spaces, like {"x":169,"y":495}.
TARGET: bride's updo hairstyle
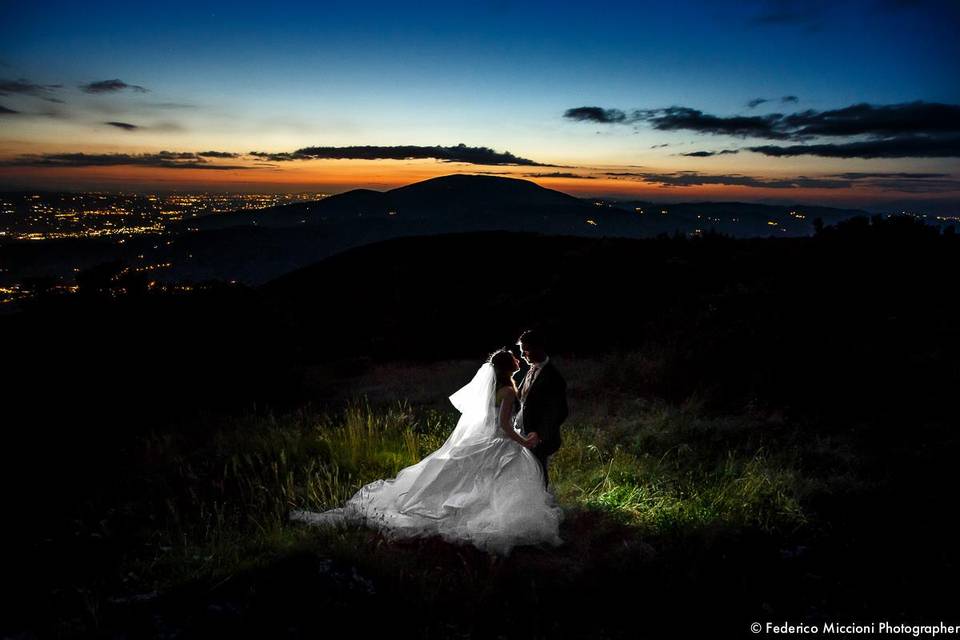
{"x":503,"y":363}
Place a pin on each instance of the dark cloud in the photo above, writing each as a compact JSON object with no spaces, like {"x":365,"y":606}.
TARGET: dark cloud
{"x":881,"y":121}
{"x":162,"y":126}
{"x":913,"y":129}
{"x":178,"y":155}
{"x":685,"y":118}
{"x":875,"y":120}
{"x":458,"y":153}
{"x":595,"y":114}
{"x":111,"y":86}
{"x":126,"y":126}
{"x":5,"y":111}
{"x":909,"y":182}
{"x":756,"y":102}
{"x":660,"y":146}
{"x":694,"y":178}
{"x":217,"y":154}
{"x":27,"y":88}
{"x":899,"y":147}
{"x":707,"y":154}
{"x":885,"y":181}
{"x":276,"y":157}
{"x":165,"y":159}
{"x":558,"y":175}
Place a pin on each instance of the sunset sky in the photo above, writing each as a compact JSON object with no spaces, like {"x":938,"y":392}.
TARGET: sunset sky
{"x":844,"y":103}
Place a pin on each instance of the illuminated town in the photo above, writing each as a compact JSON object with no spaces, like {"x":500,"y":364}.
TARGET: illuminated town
{"x":30,"y":217}
{"x":48,"y":216}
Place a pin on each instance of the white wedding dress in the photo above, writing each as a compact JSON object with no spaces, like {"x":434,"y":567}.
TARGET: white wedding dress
{"x":479,"y":487}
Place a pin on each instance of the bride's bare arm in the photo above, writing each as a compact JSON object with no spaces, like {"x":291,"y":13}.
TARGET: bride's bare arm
{"x":506,"y":409}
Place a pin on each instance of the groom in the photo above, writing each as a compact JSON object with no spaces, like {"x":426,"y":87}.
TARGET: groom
{"x":543,"y":399}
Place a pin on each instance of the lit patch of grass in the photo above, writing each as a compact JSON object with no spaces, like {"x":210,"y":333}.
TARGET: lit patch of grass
{"x":664,"y":470}
{"x":684,"y":487}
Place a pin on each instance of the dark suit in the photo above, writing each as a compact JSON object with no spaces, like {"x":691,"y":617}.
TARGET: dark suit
{"x":543,"y":410}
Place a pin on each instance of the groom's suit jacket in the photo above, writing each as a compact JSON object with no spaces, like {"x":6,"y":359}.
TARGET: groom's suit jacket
{"x":544,"y":409}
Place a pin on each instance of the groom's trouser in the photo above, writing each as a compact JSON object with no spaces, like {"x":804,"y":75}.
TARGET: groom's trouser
{"x":542,"y":459}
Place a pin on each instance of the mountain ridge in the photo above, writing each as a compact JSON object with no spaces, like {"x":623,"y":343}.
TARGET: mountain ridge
{"x":255,"y":246}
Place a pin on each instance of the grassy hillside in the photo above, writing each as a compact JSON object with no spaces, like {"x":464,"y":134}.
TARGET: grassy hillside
{"x":669,"y":508}
{"x":759,"y":430}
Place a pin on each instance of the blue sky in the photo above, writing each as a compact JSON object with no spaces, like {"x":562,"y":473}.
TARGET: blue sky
{"x":246,"y":76}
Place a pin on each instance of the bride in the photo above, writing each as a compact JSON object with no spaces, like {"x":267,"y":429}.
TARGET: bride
{"x":483,"y":486}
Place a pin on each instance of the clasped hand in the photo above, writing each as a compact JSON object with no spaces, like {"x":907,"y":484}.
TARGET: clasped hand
{"x":533,"y":440}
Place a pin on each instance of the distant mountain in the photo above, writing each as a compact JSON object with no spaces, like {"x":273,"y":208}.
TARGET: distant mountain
{"x":447,"y":204}
{"x":254,"y":246}
{"x":493,"y":203}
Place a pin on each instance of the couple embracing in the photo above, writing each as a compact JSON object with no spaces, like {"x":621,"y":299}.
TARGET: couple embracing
{"x":488,"y":484}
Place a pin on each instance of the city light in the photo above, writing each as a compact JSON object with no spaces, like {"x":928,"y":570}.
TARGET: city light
{"x":93,"y":215}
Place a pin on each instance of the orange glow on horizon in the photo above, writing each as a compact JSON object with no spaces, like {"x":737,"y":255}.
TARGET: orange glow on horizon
{"x":334,"y":176}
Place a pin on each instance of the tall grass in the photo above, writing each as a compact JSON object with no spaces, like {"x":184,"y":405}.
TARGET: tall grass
{"x":660,"y":471}
{"x":657,"y":475}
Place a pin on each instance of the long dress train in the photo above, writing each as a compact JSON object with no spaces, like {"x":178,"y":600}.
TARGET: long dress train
{"x":479,"y":487}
